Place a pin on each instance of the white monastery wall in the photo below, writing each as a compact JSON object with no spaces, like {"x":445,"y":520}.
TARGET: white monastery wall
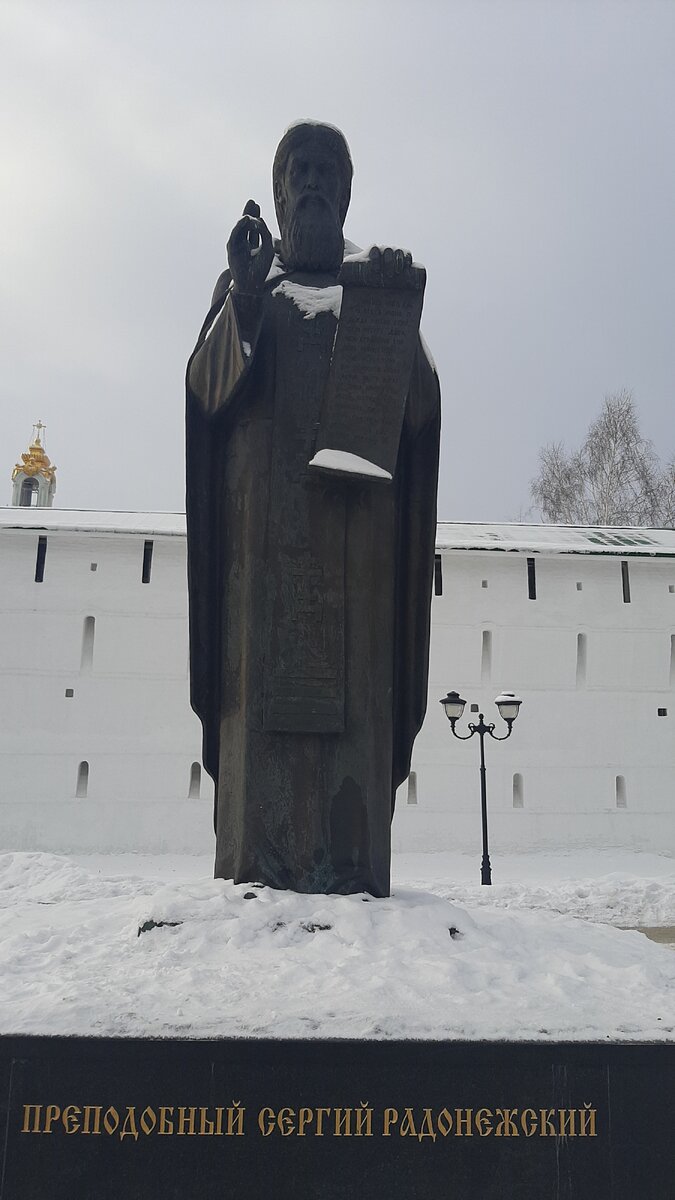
{"x":128,"y":717}
{"x":592,"y":669}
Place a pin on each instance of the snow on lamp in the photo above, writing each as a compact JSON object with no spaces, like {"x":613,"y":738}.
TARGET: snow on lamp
{"x":508,"y":704}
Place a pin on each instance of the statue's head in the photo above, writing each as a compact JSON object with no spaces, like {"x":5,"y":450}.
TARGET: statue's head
{"x":312,"y":181}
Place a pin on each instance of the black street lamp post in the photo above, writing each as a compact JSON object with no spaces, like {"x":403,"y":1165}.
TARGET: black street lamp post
{"x":508,"y":705}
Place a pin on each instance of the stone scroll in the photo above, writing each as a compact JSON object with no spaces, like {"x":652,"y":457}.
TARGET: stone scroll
{"x":369,"y":376}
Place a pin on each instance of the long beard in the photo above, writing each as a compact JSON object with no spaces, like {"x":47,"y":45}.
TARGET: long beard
{"x":312,"y":238}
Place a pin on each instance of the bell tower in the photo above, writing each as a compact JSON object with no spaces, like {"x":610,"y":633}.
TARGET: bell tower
{"x":34,"y":478}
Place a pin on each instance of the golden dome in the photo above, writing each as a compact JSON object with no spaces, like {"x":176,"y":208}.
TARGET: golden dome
{"x":34,"y":461}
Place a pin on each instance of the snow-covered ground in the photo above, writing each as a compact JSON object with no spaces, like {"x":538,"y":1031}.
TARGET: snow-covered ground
{"x":547,"y":952}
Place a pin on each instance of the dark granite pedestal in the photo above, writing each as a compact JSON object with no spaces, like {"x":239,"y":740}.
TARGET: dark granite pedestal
{"x":86,"y":1119}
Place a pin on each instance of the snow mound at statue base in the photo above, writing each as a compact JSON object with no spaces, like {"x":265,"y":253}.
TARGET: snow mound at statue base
{"x":87,"y":951}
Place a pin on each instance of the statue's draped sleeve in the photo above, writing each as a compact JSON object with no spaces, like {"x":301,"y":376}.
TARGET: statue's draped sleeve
{"x":416,"y":482}
{"x":216,"y":373}
{"x":225,"y":350}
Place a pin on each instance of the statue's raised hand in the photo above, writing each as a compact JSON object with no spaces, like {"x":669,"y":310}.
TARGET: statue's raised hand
{"x":250,"y":252}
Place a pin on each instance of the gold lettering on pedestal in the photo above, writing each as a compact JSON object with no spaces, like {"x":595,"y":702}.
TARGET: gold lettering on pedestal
{"x":132,"y":1121}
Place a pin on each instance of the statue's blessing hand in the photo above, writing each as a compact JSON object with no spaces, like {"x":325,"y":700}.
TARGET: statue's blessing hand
{"x":250,"y":251}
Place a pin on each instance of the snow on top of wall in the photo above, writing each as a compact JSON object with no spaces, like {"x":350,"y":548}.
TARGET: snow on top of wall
{"x":450,"y":535}
{"x":92,"y":521}
{"x":555,"y":539}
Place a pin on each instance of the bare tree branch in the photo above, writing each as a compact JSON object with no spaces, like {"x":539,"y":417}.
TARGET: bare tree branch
{"x":615,"y":478}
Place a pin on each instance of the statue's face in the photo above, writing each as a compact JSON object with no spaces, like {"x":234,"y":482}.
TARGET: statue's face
{"x":312,"y":172}
{"x":311,"y":189}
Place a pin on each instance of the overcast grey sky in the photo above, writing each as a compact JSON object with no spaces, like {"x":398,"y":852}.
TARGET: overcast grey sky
{"x":524,"y":151}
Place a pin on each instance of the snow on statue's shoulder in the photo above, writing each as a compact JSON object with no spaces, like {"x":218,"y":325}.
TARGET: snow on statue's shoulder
{"x":341,"y":460}
{"x":311,"y":300}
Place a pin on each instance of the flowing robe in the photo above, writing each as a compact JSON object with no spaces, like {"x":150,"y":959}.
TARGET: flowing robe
{"x":309,"y":600}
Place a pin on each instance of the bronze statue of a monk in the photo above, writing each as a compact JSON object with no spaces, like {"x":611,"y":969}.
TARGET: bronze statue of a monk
{"x":309,"y":595}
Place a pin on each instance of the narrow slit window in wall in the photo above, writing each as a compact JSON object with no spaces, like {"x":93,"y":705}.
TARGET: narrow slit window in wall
{"x":147,"y":561}
{"x":621,"y":796}
{"x":518,"y":796}
{"x":93,"y":566}
{"x":582,"y":646}
{"x":672,"y":660}
{"x":195,"y":781}
{"x":486,"y":656}
{"x":580,"y":587}
{"x":412,"y":788}
{"x":625,"y":582}
{"x":82,"y":780}
{"x":438,"y":576}
{"x":40,"y":559}
{"x":531,"y":580}
{"x":87,"y":660}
